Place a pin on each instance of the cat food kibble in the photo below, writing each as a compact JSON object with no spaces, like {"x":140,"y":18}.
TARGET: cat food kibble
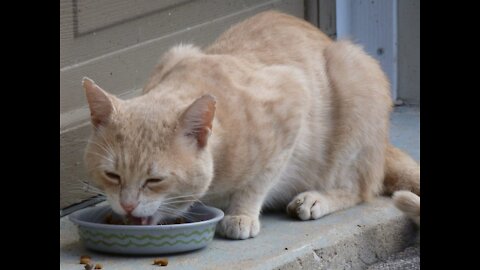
{"x":85,"y":259}
{"x":98,"y":266}
{"x":180,"y":220}
{"x":162,"y":262}
{"x":108,"y":219}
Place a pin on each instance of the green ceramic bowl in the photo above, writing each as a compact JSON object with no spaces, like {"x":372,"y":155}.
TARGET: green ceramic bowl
{"x":146,"y":239}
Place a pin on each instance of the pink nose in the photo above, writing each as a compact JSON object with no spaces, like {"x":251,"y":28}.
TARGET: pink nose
{"x":128,"y":207}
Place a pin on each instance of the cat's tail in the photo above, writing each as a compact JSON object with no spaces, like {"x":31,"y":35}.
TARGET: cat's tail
{"x":402,"y":179}
{"x":409,"y":203}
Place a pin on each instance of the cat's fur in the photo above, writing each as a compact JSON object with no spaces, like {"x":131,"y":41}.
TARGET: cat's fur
{"x":273,"y":114}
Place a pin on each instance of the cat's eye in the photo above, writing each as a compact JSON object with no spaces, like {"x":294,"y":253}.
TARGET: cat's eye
{"x":113,"y":177}
{"x":154,"y":180}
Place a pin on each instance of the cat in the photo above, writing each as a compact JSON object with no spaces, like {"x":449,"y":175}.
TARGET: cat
{"x":272,"y":115}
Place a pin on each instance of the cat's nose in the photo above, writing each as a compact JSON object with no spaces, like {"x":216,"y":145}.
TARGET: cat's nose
{"x":128,"y":207}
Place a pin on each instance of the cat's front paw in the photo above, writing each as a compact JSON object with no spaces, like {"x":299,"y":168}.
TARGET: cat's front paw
{"x":308,"y":205}
{"x":239,"y":227}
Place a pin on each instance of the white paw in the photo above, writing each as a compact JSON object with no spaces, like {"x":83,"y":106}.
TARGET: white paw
{"x":239,"y":227}
{"x":307,"y":205}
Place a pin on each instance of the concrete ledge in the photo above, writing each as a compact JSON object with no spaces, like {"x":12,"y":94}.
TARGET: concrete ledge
{"x":351,"y":239}
{"x":366,"y":236}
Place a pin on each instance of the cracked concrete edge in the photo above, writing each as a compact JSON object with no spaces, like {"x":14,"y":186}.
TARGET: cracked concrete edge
{"x":409,"y":259}
{"x":359,"y":250}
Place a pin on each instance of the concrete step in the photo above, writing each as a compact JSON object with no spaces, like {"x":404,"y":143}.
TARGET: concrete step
{"x":369,"y":236}
{"x":409,"y":259}
{"x":355,"y":238}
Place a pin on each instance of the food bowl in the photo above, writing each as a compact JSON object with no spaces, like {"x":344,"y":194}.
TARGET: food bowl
{"x":146,"y":239}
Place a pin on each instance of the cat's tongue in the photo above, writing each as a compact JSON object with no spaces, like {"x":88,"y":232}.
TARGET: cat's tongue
{"x":145,"y":220}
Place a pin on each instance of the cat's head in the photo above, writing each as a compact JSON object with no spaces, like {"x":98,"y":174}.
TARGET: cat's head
{"x":152,"y":160}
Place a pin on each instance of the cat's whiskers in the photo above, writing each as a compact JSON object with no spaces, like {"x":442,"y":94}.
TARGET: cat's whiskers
{"x":185,"y":215}
{"x":101,"y":156}
{"x":191,"y":195}
{"x":80,"y":192}
{"x":85,"y":186}
{"x":105,"y":148}
{"x":186,"y":197}
{"x":94,"y":189}
{"x":109,"y":146}
{"x":168,"y":200}
{"x":173,"y":212}
{"x":104,"y":139}
{"x":182,"y":201}
{"x":166,"y":206}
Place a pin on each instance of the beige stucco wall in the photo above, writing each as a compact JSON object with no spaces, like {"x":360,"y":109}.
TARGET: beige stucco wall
{"x":409,"y":51}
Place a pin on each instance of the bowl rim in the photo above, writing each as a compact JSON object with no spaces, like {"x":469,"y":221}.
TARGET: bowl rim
{"x":74,"y":217}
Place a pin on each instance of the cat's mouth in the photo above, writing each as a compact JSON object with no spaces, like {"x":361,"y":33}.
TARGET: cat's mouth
{"x":150,"y":220}
{"x":138,"y":220}
{"x":145,"y":220}
{"x":159,"y":218}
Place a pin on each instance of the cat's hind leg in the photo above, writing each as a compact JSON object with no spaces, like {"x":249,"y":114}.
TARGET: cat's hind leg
{"x":314,"y":204}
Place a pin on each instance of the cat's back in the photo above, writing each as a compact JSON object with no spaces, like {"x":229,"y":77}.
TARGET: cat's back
{"x":271,"y":37}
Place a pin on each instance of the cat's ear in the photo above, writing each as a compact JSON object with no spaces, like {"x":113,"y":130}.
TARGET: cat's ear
{"x":196,"y":121}
{"x":100,"y":102}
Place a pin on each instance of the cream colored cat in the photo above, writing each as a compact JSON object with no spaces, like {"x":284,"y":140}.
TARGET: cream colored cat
{"x":273,"y":114}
